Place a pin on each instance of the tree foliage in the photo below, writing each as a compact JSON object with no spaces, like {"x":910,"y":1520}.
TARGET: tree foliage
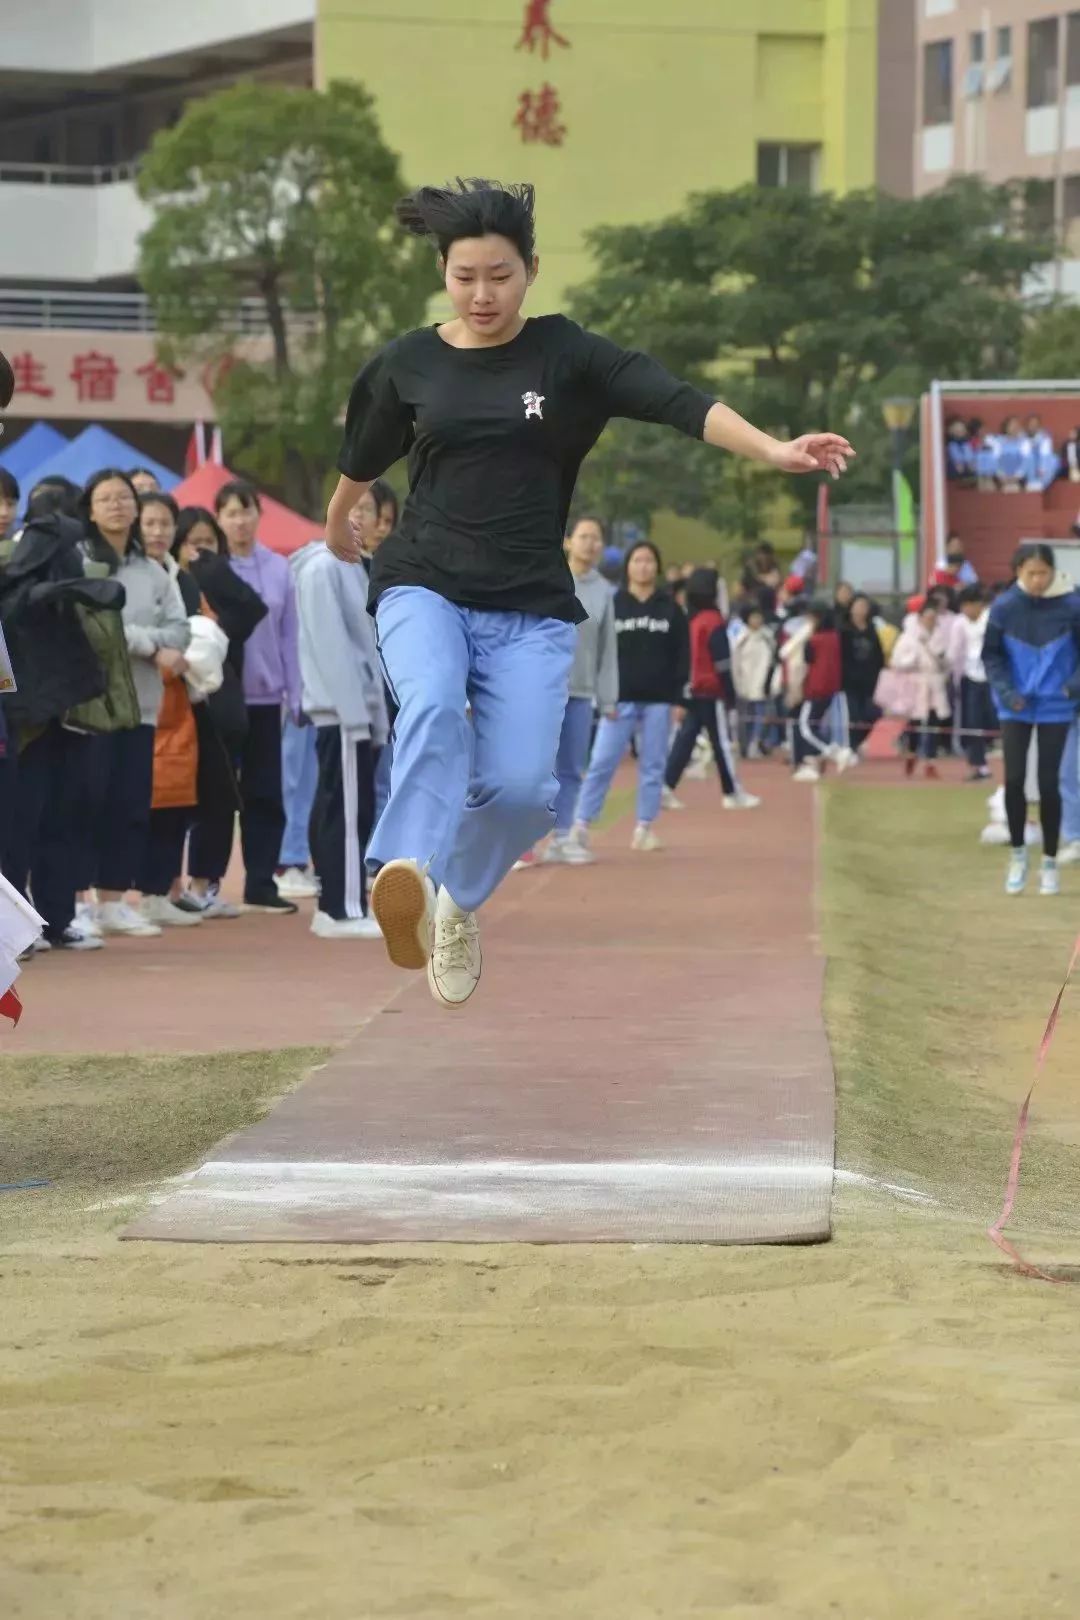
{"x":280,"y":199}
{"x":1051,"y":343}
{"x":803,"y":311}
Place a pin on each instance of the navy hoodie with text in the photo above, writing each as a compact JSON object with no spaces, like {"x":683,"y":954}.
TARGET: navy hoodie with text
{"x":654,"y":648}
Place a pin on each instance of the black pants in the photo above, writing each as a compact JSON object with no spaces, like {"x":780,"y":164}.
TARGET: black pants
{"x":808,"y":740}
{"x":121,"y":785}
{"x":925,"y":737}
{"x":707,"y":713}
{"x":976,"y":716}
{"x":45,"y":845}
{"x":163,"y":859}
{"x":342,"y":817}
{"x":863,"y":716}
{"x":1016,"y":740}
{"x":262,"y":818}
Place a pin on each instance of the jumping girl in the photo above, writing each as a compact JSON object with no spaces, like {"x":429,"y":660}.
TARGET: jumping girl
{"x":473,"y":598}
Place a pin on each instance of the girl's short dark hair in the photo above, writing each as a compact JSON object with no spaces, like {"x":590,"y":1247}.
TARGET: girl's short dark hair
{"x":642,"y":545}
{"x":970,"y":593}
{"x":586,"y":517}
{"x":823,"y":613}
{"x":1033,"y":551}
{"x":54,"y":493}
{"x":159,"y":497}
{"x":384,"y":495}
{"x":9,"y":484}
{"x":190,"y":517}
{"x":238,"y":489}
{"x":466,"y":208}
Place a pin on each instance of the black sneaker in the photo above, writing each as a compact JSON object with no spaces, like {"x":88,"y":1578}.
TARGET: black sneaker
{"x":269,"y":900}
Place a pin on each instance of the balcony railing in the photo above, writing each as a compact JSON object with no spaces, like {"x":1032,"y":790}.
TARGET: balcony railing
{"x":66,"y":174}
{"x":112,"y":312}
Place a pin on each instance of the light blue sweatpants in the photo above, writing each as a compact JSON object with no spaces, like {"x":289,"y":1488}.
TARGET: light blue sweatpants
{"x":468,"y":800}
{"x":299,"y":778}
{"x":1070,"y":787}
{"x":571,"y":760}
{"x":652,"y":723}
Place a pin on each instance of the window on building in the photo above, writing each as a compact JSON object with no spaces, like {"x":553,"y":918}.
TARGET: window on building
{"x":1072,"y":48}
{"x":1000,"y":73}
{"x":795,"y":166}
{"x":938,"y":82}
{"x":1039,"y":205}
{"x":1042,"y":76}
{"x":1004,"y":42}
{"x":975,"y":72}
{"x":977,"y":47}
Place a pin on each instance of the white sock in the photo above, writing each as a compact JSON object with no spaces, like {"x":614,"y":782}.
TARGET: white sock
{"x":448,"y":908}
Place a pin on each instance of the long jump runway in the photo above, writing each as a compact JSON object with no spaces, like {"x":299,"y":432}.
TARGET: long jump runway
{"x":645,"y":1061}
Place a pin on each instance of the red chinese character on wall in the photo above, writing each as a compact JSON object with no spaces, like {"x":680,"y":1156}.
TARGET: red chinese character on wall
{"x":160,"y":383}
{"x":94,"y":375}
{"x":538,"y":116}
{"x":29,"y":376}
{"x":537,"y":29}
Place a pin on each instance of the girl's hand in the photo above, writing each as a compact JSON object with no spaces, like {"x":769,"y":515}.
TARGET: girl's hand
{"x":813,"y":452}
{"x":170,"y":662}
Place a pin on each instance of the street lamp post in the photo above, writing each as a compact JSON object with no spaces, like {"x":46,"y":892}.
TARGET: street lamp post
{"x":899,"y":414}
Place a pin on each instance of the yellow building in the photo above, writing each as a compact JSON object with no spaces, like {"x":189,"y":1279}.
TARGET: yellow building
{"x":616,"y":109}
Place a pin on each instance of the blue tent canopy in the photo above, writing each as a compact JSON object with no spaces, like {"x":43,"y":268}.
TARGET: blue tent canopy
{"x":38,"y":443}
{"x":95,"y":448}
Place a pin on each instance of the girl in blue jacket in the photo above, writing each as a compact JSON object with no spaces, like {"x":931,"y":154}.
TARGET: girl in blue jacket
{"x":1032,"y":659}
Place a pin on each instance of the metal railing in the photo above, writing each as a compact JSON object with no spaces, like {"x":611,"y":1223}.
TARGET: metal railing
{"x":111,"y":312}
{"x":66,"y":174}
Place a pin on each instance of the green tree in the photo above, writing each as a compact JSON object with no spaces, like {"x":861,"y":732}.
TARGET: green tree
{"x":803,"y":311}
{"x":1051,"y":343}
{"x":273,"y":257}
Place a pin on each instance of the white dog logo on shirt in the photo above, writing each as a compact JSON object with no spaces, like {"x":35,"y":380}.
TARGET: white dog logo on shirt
{"x":534,"y":405}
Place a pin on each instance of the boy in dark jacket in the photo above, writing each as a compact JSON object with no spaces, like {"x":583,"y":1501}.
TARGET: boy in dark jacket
{"x":709,"y":696}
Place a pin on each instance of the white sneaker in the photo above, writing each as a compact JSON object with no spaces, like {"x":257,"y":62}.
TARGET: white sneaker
{"x":807,"y":773}
{"x":85,"y":918}
{"x":845,"y":758}
{"x":554,"y":853}
{"x":644,"y":839}
{"x":117,"y":917}
{"x":1049,"y":881}
{"x":1069,"y":854}
{"x":754,"y":751}
{"x":327,"y":927}
{"x":577,"y":850}
{"x":668,"y":800}
{"x":76,"y":938}
{"x":403,"y":904}
{"x":741,"y":800}
{"x":456,"y":960}
{"x":1016,"y":877}
{"x":995,"y":832}
{"x":155,"y":908}
{"x":296,"y":884}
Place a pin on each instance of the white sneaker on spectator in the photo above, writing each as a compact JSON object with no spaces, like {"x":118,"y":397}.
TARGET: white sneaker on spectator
{"x":327,"y":927}
{"x":117,"y":917}
{"x":845,"y":758}
{"x":296,"y":884}
{"x":456,"y":959}
{"x":76,"y":938}
{"x":754,"y":751}
{"x":37,"y":947}
{"x":577,"y":850}
{"x":995,"y":832}
{"x":403,"y":904}
{"x":84,"y":916}
{"x":741,"y":800}
{"x":156,"y":908}
{"x":1069,"y":854}
{"x":554,"y":852}
{"x":1016,"y":876}
{"x":644,"y":839}
{"x":1049,"y":881}
{"x":807,"y":773}
{"x":668,"y":799}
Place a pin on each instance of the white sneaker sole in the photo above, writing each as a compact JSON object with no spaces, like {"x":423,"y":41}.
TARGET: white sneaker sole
{"x":400,"y":900}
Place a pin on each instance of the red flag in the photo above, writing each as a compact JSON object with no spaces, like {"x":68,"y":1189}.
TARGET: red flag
{"x":11,"y":1006}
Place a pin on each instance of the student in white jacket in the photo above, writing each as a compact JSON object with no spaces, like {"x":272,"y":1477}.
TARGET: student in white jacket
{"x":753,"y":661}
{"x":343,"y":698}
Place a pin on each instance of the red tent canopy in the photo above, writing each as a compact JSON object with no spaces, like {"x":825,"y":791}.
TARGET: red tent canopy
{"x":280,"y":528}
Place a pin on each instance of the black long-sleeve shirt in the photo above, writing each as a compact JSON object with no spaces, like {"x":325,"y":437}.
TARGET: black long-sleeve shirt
{"x":653,"y":642}
{"x":495,"y":438}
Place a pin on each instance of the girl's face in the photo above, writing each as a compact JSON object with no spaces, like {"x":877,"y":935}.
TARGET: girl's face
{"x":240,"y":524}
{"x":860,"y":612}
{"x":8,"y":507}
{"x":844,"y":595}
{"x":200,"y":537}
{"x":585,"y":543}
{"x":928,"y":618}
{"x":641,"y":569}
{"x":487,"y":279}
{"x":1035,"y":576}
{"x":364,"y":521}
{"x":386,"y":524}
{"x":158,"y":531}
{"x":113,"y":508}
